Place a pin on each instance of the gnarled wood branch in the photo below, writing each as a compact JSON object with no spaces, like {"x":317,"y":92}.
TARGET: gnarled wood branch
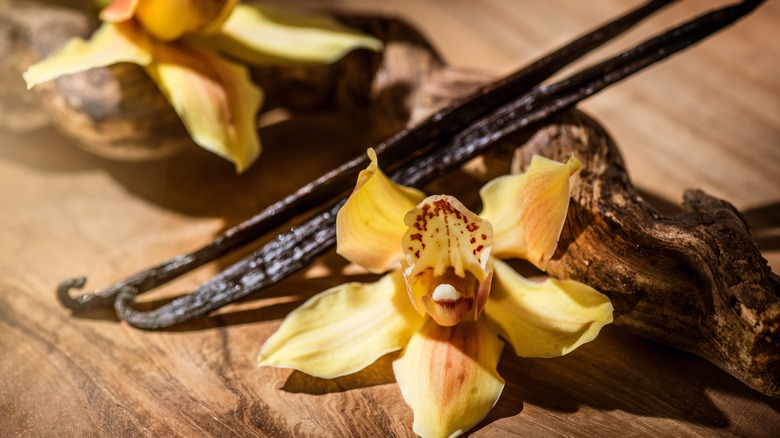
{"x":695,"y":281}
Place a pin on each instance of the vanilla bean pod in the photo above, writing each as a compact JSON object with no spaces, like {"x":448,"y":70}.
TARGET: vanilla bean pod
{"x":292,"y":250}
{"x":394,"y":152}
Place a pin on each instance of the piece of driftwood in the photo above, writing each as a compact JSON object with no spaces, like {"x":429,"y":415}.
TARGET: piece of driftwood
{"x":694,"y":281}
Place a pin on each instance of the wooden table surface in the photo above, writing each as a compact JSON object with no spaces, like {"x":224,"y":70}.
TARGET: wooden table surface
{"x":708,"y":118}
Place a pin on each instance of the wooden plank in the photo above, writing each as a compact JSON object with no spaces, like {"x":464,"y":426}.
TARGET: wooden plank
{"x":709,"y":118}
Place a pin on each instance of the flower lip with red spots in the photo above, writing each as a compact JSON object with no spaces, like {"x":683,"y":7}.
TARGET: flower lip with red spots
{"x":446,"y":250}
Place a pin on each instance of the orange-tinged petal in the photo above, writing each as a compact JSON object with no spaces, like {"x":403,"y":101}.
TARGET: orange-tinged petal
{"x":263,"y":34}
{"x":119,"y":10}
{"x":528,"y":210}
{"x":370,"y":225}
{"x":544,"y":319}
{"x":215,"y":99}
{"x":168,"y":20}
{"x":446,"y":249}
{"x":344,"y":329}
{"x":448,"y":376}
{"x":110,"y":44}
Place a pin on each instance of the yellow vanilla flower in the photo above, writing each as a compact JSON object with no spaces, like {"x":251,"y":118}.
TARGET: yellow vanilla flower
{"x":195,"y":50}
{"x":452,"y":300}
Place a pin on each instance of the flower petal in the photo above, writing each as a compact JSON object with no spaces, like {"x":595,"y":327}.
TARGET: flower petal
{"x":119,"y":10}
{"x":344,"y":329}
{"x":446,"y":249}
{"x":547,"y":319}
{"x":370,"y":226}
{"x":110,"y":44}
{"x":527,"y":210}
{"x":215,"y":99}
{"x":448,"y":376}
{"x":264,"y":34}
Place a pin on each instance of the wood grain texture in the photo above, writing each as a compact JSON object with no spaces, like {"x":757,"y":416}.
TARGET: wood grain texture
{"x":709,"y":118}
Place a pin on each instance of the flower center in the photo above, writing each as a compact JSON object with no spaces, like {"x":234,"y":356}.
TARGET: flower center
{"x":446,"y":250}
{"x":451,"y":298}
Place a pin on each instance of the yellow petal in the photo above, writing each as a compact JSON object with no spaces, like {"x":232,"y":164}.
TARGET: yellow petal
{"x":264,"y":34}
{"x":110,"y":44}
{"x":527,"y":210}
{"x":446,"y":249}
{"x":168,"y":20}
{"x":370,"y":225}
{"x":448,"y":376}
{"x":215,"y":99}
{"x":344,"y":329}
{"x":547,"y":319}
{"x":119,"y":10}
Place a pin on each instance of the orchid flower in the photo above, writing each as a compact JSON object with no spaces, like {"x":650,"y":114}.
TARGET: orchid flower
{"x":449,"y":302}
{"x":181,"y":44}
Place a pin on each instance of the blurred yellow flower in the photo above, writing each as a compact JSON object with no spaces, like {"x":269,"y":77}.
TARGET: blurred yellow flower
{"x":182,"y":43}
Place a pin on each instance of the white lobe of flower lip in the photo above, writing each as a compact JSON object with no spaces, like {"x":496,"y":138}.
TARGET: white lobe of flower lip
{"x":445,"y":292}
